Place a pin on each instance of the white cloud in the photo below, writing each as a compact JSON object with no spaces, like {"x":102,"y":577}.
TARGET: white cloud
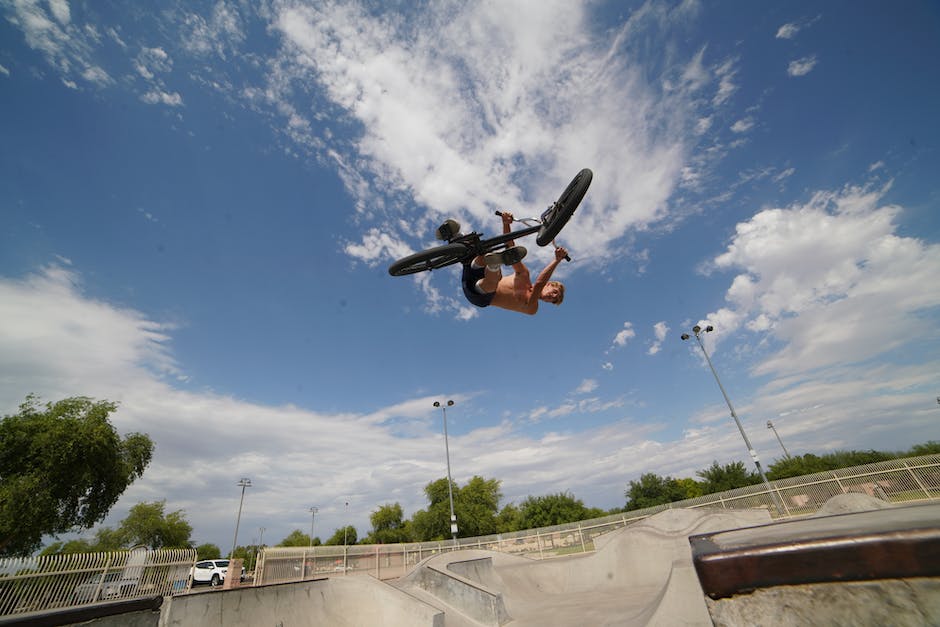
{"x":726,"y":85}
{"x":787,"y":31}
{"x":220,"y":34}
{"x":97,"y":75}
{"x":4,"y":70}
{"x":660,"y":329}
{"x":60,"y":9}
{"x":156,"y":96}
{"x":743,"y":125}
{"x":472,"y":115}
{"x":802,"y":67}
{"x":152,"y":60}
{"x":624,"y":335}
{"x":829,"y":280}
{"x":587,"y":386}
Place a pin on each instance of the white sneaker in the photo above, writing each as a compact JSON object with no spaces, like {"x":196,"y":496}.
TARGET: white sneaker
{"x":506,"y":257}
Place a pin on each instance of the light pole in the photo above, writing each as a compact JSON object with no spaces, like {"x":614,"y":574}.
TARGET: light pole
{"x":345,"y":530}
{"x":450,"y":490}
{"x":750,"y":449}
{"x":260,"y":546}
{"x":313,"y":513}
{"x":244,"y":482}
{"x":770,"y":426}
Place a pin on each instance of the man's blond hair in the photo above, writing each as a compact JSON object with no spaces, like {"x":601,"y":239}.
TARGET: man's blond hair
{"x":561,"y":291}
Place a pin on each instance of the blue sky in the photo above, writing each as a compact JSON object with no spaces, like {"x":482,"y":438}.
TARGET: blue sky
{"x":199,"y":201}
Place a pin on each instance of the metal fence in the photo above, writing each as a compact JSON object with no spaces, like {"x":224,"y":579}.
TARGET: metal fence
{"x":896,"y":481}
{"x":70,"y":580}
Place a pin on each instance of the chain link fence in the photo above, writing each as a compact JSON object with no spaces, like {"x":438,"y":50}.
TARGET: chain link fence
{"x":896,"y":481}
{"x":58,"y":581}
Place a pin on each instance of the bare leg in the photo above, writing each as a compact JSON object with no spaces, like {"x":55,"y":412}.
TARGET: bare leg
{"x":491,"y":278}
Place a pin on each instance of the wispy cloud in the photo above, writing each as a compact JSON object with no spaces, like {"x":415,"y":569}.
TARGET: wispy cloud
{"x":743,"y":125}
{"x":802,"y":67}
{"x":788,"y":31}
{"x":817,"y":277}
{"x":660,"y":329}
{"x":623,"y":336}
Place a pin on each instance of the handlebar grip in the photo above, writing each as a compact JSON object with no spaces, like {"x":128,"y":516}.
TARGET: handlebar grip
{"x":499,"y":213}
{"x":567,"y":257}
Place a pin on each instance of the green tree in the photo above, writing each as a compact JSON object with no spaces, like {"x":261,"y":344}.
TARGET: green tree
{"x":298,"y":538}
{"x":718,"y":478}
{"x":147,"y":525}
{"x":208,"y":551}
{"x":651,"y":489}
{"x":62,"y":467}
{"x":107,"y":539}
{"x":341,"y":535}
{"x":927,"y":448}
{"x":388,"y":526}
{"x":476,"y":506}
{"x":551,"y":509}
{"x":508,"y":519}
{"x":691,"y":487}
{"x":78,"y":545}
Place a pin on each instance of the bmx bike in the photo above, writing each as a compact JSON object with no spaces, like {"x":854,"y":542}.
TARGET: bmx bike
{"x":463,"y":248}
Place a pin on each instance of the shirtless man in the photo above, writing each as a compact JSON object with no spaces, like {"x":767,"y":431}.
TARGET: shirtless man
{"x":484,"y":285}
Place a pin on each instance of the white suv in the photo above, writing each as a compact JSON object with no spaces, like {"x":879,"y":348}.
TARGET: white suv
{"x":211,"y":572}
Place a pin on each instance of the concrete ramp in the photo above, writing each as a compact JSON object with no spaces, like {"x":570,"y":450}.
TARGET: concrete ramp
{"x":639,"y":575}
{"x":340,"y":602}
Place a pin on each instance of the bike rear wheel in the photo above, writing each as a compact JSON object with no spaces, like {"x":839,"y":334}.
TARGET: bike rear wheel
{"x":430,"y":259}
{"x":563,"y":209}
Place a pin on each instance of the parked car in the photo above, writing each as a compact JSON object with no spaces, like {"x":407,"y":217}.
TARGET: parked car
{"x":103,"y":586}
{"x":212,"y":572}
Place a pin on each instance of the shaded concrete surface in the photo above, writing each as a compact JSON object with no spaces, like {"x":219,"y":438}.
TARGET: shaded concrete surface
{"x":639,"y":575}
{"x":340,"y":602}
{"x":866,"y":563}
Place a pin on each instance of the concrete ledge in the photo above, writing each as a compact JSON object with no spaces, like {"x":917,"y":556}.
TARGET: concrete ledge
{"x":897,"y":543}
{"x":136,"y":612}
{"x":470,"y":598}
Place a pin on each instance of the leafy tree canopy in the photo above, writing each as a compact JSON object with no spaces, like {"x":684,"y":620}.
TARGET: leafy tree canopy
{"x":388,"y":526}
{"x":298,"y":538}
{"x":62,"y":467}
{"x":551,"y":509}
{"x":208,"y":551}
{"x":147,"y":525}
{"x":343,"y":535}
{"x":718,"y":478}
{"x":651,"y":490}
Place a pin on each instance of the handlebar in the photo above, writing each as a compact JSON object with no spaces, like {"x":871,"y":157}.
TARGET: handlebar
{"x":500,"y":214}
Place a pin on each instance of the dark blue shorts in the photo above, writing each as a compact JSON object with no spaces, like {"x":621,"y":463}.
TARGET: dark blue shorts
{"x":469,"y":282}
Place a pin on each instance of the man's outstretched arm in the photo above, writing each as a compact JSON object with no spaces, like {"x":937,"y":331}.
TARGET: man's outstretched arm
{"x":546,"y":275}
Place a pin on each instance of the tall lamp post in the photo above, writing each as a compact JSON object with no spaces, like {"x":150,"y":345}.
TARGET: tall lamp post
{"x":770,"y":425}
{"x":244,"y":482}
{"x":450,"y":490}
{"x":313,"y":513}
{"x":260,"y":546}
{"x":697,"y":330}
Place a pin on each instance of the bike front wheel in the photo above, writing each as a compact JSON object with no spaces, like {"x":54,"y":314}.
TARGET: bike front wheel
{"x":430,"y":259}
{"x":559,"y":214}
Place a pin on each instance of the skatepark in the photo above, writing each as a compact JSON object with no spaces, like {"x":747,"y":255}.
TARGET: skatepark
{"x":859,"y":560}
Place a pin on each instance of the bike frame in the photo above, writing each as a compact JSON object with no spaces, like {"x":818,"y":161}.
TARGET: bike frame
{"x":476,"y":245}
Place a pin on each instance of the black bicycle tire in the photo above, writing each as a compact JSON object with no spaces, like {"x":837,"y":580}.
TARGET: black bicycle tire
{"x":430,"y":259}
{"x":564,"y":208}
